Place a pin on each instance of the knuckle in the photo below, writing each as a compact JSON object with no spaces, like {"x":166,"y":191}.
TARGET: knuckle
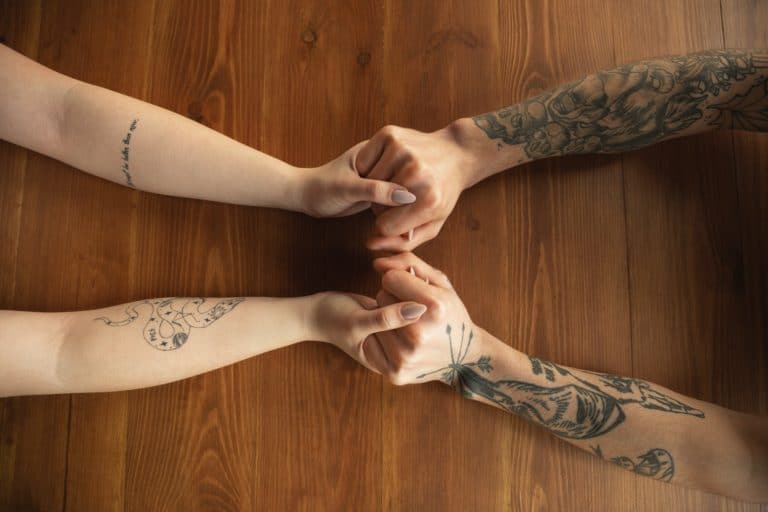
{"x":432,"y":198}
{"x":419,"y":339}
{"x":437,"y":308}
{"x":376,"y":188}
{"x":388,"y":132}
{"x":397,"y":378}
{"x":412,"y":172}
{"x":383,"y":319}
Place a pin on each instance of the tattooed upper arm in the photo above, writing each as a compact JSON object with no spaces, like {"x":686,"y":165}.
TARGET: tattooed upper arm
{"x":638,"y":104}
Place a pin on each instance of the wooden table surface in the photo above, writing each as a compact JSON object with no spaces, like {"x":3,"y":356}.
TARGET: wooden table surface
{"x":651,"y":264}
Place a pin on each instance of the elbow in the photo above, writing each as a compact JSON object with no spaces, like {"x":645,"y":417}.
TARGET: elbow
{"x":62,"y":115}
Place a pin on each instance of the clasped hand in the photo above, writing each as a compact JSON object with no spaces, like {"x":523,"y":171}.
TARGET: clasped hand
{"x":403,"y":334}
{"x":412,"y":180}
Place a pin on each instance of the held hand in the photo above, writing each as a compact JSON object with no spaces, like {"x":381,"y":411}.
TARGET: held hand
{"x":428,"y":349}
{"x":348,"y":321}
{"x":434,"y":166}
{"x":337,"y":190}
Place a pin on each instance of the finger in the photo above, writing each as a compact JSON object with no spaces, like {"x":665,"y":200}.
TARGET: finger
{"x":378,"y":209}
{"x":408,"y":260}
{"x":355,"y":208}
{"x":391,"y":160}
{"x":379,"y":192}
{"x":371,"y":152}
{"x":389,"y":317}
{"x":398,"y":221}
{"x":421,"y":234}
{"x":406,"y":287}
{"x":365,"y":301}
{"x":385,"y":299}
{"x":372,"y":355}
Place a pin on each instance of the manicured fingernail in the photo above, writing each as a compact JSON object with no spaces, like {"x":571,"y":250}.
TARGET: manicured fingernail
{"x":401,"y":196}
{"x":413,"y":311}
{"x":410,"y":235}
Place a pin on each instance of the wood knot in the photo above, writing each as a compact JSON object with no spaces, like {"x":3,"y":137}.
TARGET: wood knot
{"x":309,"y":37}
{"x":472,"y":223}
{"x":363,"y":58}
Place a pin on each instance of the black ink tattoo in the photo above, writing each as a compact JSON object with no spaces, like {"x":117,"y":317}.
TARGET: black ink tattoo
{"x":635,"y":105}
{"x":656,"y":463}
{"x":575,"y":409}
{"x":171,"y":319}
{"x":125,"y":154}
{"x":632,"y":391}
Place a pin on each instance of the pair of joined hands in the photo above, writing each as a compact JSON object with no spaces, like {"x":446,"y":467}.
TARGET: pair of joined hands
{"x":413,"y":180}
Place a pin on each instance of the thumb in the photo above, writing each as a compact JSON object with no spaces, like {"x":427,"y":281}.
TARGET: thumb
{"x":389,"y":317}
{"x":380,"y":192}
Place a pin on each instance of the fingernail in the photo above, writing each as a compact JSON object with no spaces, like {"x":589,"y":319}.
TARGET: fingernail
{"x":401,"y":196}
{"x":413,"y":311}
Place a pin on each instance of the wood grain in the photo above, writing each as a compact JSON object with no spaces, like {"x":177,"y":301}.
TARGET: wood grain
{"x":567,"y":254}
{"x":650,"y":263}
{"x":685,"y":245}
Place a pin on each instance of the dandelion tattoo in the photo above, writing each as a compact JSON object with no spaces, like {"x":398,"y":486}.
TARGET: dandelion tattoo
{"x":637,"y":104}
{"x":573,"y":407}
{"x":656,"y":463}
{"x":170,"y":320}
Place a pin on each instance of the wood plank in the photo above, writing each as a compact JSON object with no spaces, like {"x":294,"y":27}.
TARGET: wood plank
{"x":687,"y":293}
{"x":742,"y":382}
{"x":33,"y":431}
{"x":188,"y":441}
{"x":105,"y":44}
{"x":442,"y":452}
{"x":320,"y":413}
{"x":540,"y":255}
{"x":568,"y":279}
{"x":212,"y":64}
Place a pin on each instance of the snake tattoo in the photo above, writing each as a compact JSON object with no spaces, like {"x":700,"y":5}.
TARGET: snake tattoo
{"x":171,"y":319}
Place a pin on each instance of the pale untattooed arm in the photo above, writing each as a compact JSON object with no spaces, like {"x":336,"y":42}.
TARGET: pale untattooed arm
{"x":143,"y":146}
{"x":621,"y":109}
{"x":640,"y":426}
{"x":155,"y":341}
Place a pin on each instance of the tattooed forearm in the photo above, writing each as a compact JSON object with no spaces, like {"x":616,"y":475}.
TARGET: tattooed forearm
{"x":125,"y":154}
{"x":638,"y":104}
{"x":656,"y":463}
{"x":169,"y":321}
{"x":573,"y":407}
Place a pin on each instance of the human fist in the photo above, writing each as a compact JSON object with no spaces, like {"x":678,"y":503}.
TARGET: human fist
{"x":434,"y":166}
{"x":347,"y":320}
{"x":337,"y":190}
{"x":432,"y":348}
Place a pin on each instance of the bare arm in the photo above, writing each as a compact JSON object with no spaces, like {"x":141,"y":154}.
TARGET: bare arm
{"x":143,"y":146}
{"x":642,"y":427}
{"x":621,"y":109}
{"x":155,"y":341}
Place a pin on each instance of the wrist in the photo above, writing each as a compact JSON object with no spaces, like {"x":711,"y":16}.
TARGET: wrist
{"x":484,"y":157}
{"x":294,"y":195}
{"x":307,"y":310}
